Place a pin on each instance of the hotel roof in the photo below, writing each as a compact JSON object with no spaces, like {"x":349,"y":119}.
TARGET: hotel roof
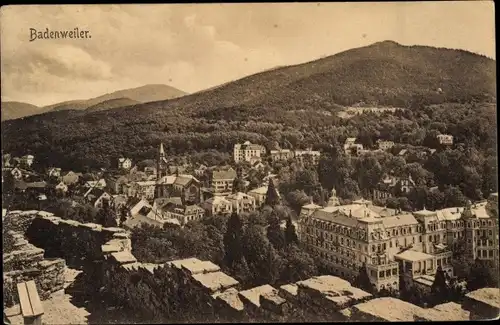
{"x":399,"y":220}
{"x":413,"y":256}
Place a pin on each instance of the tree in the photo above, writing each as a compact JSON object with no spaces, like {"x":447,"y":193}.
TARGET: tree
{"x":440,"y":292}
{"x":362,"y":280}
{"x":274,"y":233}
{"x":297,"y":199}
{"x":106,"y":216}
{"x":290,"y":234}
{"x":272,"y":197}
{"x":238,"y":185}
{"x":299,"y":265}
{"x":232,"y":240}
{"x":482,"y":274}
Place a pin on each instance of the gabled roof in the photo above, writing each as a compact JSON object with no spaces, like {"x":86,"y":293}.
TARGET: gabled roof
{"x":224,"y":174}
{"x":184,"y":180}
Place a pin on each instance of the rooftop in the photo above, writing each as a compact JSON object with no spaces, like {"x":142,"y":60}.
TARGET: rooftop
{"x":489,"y":296}
{"x":413,"y":256}
{"x":388,"y":309}
{"x":450,"y":311}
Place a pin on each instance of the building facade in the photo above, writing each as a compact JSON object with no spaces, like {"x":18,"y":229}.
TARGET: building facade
{"x":248,"y":152}
{"x":308,"y":156}
{"x":392,"y":242}
{"x":221,"y":182}
{"x":242,"y":203}
{"x":445,"y":139}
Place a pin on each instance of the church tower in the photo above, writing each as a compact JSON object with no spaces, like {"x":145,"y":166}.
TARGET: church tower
{"x":161,"y":163}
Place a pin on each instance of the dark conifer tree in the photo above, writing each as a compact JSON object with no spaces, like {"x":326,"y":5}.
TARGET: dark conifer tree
{"x":290,"y":234}
{"x":272,"y":197}
{"x":232,"y":240}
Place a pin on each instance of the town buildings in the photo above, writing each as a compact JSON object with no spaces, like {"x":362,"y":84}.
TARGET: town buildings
{"x":241,"y":202}
{"x":185,"y":186}
{"x":385,"y":145}
{"x":221,"y":183}
{"x":98,"y":198}
{"x":352,"y":148}
{"x":308,"y":156}
{"x":54,"y":172}
{"x":260,"y":195}
{"x":124,"y":163}
{"x":27,"y":160}
{"x":445,"y":139}
{"x":281,"y":154}
{"x":390,"y":185}
{"x":217,"y":205}
{"x":391,"y":242}
{"x":248,"y":152}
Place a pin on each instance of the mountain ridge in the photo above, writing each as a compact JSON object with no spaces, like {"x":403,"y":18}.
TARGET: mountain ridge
{"x":142,"y":94}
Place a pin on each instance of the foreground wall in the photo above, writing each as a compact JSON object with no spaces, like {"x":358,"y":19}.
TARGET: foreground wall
{"x":195,"y":290}
{"x":23,"y":261}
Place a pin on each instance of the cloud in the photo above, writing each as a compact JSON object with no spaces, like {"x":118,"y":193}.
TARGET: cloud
{"x":198,"y":46}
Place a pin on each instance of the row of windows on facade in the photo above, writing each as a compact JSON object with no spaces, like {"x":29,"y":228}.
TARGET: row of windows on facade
{"x":351,"y":243}
{"x":405,"y":230}
{"x":486,"y":253}
{"x":354,"y":265}
{"x":395,"y":232}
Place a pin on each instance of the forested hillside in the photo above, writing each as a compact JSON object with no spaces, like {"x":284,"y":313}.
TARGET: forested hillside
{"x":440,"y":90}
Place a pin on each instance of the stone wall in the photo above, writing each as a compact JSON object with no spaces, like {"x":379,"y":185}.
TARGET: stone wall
{"x":198,"y":291}
{"x":23,"y":261}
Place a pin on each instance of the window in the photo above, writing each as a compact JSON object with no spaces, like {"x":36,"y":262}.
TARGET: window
{"x":490,"y":253}
{"x":381,"y":274}
{"x":390,"y":243}
{"x":420,"y":238}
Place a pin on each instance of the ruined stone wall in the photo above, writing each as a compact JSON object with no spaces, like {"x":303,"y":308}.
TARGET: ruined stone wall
{"x":23,"y":261}
{"x":190,"y":289}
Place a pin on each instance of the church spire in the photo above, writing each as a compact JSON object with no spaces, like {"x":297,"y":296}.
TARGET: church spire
{"x":162,"y":151}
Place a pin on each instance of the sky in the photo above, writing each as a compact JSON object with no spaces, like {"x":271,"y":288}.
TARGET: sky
{"x":198,"y":46}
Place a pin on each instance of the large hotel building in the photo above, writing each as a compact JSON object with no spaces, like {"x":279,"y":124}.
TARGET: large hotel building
{"x":392,"y":242}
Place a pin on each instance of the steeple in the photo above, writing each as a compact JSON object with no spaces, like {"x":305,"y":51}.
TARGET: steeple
{"x":161,"y":163}
{"x":162,"y":151}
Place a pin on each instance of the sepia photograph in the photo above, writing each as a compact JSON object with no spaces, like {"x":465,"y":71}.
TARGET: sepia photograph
{"x":288,"y":162}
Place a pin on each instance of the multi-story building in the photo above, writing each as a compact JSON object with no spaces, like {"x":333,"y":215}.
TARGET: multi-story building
{"x":392,"y":242}
{"x":308,"y":156}
{"x":242,"y":203}
{"x":387,"y":187}
{"x":385,"y":145}
{"x":217,"y":205}
{"x":352,"y":148}
{"x":185,"y":186}
{"x":144,"y":189}
{"x":260,"y":194}
{"x":124,"y":163}
{"x":281,"y":154}
{"x":221,"y":183}
{"x":445,"y":139}
{"x":184,"y":214}
{"x":248,"y":152}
